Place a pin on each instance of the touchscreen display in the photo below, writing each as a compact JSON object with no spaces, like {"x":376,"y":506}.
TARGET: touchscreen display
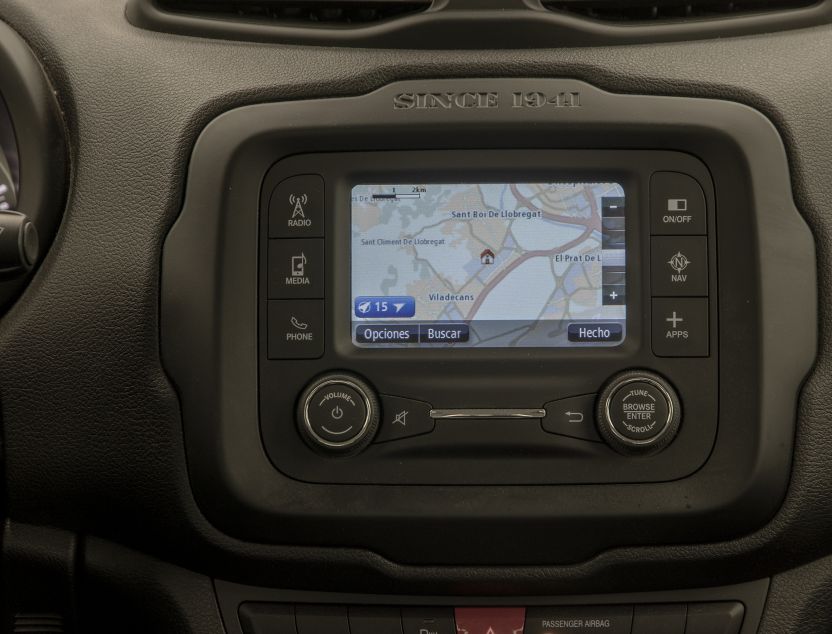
{"x":491,"y":265}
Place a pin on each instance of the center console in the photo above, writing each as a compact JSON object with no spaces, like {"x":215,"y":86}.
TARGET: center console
{"x":489,"y":317}
{"x":489,"y":321}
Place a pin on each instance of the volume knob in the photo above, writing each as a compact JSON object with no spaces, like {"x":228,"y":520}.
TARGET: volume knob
{"x":638,"y":412}
{"x":338,"y":413}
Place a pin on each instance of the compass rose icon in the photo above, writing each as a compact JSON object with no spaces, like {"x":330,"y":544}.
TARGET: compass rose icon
{"x":679,"y":262}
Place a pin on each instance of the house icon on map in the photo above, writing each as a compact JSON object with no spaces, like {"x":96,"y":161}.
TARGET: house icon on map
{"x":487,"y":257}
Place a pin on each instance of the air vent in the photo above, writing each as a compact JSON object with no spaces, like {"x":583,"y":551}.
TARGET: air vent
{"x":299,"y":12}
{"x":650,"y":10}
{"x":38,"y":624}
{"x":474,"y":24}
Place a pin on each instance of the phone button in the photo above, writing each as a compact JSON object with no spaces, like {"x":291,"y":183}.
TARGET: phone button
{"x":296,"y":329}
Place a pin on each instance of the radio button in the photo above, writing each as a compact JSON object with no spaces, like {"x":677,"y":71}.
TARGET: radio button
{"x":296,"y":329}
{"x":679,"y":266}
{"x":677,"y":205}
{"x":296,"y":208}
{"x":296,"y":269}
{"x":573,"y":417}
{"x":403,"y":418}
{"x":680,"y":327}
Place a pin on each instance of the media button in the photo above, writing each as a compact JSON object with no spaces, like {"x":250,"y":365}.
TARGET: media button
{"x":296,"y":208}
{"x":386,"y":334}
{"x":296,"y":269}
{"x":444,"y":333}
{"x":594,"y":332}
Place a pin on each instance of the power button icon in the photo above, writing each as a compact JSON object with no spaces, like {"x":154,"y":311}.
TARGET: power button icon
{"x":338,"y":413}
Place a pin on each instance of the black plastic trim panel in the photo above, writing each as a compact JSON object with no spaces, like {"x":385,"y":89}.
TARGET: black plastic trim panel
{"x":460,"y":24}
{"x":209,"y":325}
{"x":752,"y":595}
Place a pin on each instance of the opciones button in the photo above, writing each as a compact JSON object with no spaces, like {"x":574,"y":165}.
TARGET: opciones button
{"x":677,"y":205}
{"x":579,"y":620}
{"x":296,"y":208}
{"x":375,"y":620}
{"x":296,"y":329}
{"x":387,"y":334}
{"x":322,"y":619}
{"x":403,"y":418}
{"x":573,"y":417}
{"x":680,"y":327}
{"x":659,"y":619}
{"x":715,"y":618}
{"x":428,"y":621}
{"x":296,"y":269}
{"x":490,"y":620}
{"x":679,"y":266}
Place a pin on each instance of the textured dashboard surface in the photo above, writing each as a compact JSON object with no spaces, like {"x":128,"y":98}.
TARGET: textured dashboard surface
{"x":93,"y":437}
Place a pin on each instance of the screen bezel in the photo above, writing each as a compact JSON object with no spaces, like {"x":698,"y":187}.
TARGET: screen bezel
{"x":494,"y":166}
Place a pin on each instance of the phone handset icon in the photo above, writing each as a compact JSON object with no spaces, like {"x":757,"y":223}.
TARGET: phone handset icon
{"x":298,"y":324}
